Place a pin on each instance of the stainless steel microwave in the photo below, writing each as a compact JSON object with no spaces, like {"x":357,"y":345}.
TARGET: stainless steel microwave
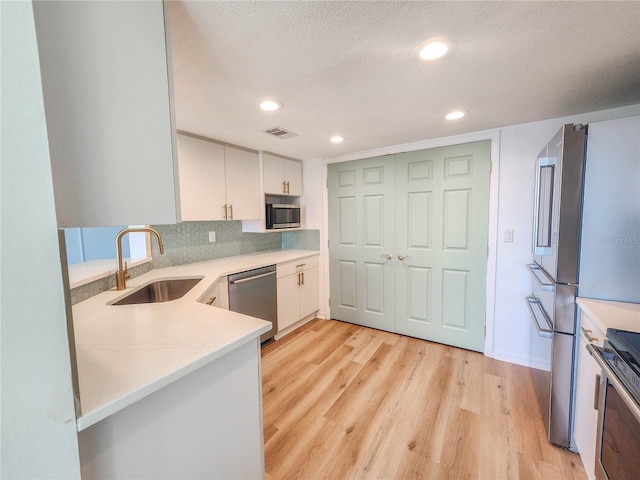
{"x":282,"y":215}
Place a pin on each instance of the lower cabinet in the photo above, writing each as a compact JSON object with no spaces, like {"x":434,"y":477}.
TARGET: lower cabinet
{"x":586,"y":416}
{"x":297,"y":290}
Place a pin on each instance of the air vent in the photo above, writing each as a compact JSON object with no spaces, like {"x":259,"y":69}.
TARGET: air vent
{"x":280,"y":133}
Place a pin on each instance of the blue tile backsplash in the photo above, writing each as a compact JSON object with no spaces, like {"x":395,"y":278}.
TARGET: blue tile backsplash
{"x":188,"y":242}
{"x":301,"y":240}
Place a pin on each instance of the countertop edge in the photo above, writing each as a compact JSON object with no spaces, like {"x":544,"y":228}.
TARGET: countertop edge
{"x":623,"y":315}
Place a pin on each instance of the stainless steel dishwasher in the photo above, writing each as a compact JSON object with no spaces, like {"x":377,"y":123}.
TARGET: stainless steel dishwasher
{"x":253,"y":293}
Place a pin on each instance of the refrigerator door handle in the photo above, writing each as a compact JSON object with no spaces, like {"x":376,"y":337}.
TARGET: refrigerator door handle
{"x":543,"y":206}
{"x":541,"y":277}
{"x":540,"y":318}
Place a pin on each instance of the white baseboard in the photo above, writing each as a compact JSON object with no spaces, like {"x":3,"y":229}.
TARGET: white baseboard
{"x":293,"y":327}
{"x":524,"y":360}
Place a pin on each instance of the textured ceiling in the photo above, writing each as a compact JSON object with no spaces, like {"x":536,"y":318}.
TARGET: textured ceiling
{"x":348,"y":68}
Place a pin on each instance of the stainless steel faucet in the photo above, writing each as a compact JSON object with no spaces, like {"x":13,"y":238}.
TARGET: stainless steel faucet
{"x":122,"y":274}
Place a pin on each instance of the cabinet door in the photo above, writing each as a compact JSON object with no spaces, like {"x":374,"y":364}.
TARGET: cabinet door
{"x":586,"y":417}
{"x":309,"y":292}
{"x":243,"y":184}
{"x":273,"y":174}
{"x":106,"y":84}
{"x":293,"y":175}
{"x":202,"y":179}
{"x":288,"y":301}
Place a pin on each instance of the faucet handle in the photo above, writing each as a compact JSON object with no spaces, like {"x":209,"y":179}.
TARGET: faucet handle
{"x":126,"y":271}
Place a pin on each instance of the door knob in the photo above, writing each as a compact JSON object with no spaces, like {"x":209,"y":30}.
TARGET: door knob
{"x":402,"y":256}
{"x":388,"y":256}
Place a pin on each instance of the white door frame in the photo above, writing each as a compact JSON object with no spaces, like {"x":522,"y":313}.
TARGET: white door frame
{"x":494,"y":136}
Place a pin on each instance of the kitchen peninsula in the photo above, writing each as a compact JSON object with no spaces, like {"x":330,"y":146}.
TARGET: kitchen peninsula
{"x":172,"y":389}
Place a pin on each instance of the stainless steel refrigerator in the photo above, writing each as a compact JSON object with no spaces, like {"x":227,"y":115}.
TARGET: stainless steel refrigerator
{"x":585,"y":242}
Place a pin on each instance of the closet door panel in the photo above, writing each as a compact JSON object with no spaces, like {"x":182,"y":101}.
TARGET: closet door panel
{"x":361,"y":199}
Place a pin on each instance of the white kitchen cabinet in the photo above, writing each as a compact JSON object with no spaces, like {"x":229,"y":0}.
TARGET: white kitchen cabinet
{"x":202,"y":180}
{"x":217,"y":295}
{"x":281,"y":176}
{"x":242,"y":172}
{"x":309,"y":292}
{"x":217,"y":182}
{"x":586,"y":416}
{"x":281,"y":183}
{"x":288,"y":301}
{"x":297,"y":291}
{"x":107,"y":84}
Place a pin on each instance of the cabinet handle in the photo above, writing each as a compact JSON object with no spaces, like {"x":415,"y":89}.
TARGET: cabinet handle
{"x":300,"y":265}
{"x":302,"y":277}
{"x":211,"y":300}
{"x":230,"y":212}
{"x":225,"y":211}
{"x":596,"y":392}
{"x":587,"y":334}
{"x":298,"y":279}
{"x":284,"y":187}
{"x":288,"y":188}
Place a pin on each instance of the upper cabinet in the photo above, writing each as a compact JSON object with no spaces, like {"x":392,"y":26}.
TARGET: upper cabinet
{"x":106,"y":76}
{"x":281,"y":183}
{"x":281,"y":176}
{"x":217,"y":182}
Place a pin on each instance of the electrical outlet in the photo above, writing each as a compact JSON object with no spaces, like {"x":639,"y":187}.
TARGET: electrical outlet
{"x":212,"y":237}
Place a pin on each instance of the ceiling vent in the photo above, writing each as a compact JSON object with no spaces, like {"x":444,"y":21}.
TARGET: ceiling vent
{"x":280,"y":133}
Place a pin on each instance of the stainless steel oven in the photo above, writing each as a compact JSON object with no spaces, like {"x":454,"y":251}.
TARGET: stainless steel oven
{"x":618,"y":437}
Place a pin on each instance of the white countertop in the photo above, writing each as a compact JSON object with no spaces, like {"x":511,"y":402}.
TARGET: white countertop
{"x":609,"y":314}
{"x":127,"y":352}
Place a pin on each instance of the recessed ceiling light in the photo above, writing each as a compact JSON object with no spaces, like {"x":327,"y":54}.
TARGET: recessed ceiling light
{"x":337,"y":139}
{"x":434,"y":48}
{"x":270,"y":105}
{"x":455,"y":115}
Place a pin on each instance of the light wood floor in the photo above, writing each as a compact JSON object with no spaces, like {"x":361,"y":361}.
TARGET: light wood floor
{"x":346,"y":402}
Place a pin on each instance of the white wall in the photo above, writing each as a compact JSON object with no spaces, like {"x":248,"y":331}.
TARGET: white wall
{"x":39,"y":437}
{"x":509,"y":329}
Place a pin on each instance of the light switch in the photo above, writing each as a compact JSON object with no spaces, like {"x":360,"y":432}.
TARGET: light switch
{"x":212,"y":237}
{"x":508,"y":236}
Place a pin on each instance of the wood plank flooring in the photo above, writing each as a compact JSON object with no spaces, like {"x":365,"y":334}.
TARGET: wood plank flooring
{"x":347,"y":402}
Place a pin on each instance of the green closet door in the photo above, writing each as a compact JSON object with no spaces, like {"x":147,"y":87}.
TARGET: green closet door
{"x":361,"y":224}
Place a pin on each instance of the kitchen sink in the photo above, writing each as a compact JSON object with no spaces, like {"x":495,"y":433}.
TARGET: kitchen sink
{"x":163,"y":290}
